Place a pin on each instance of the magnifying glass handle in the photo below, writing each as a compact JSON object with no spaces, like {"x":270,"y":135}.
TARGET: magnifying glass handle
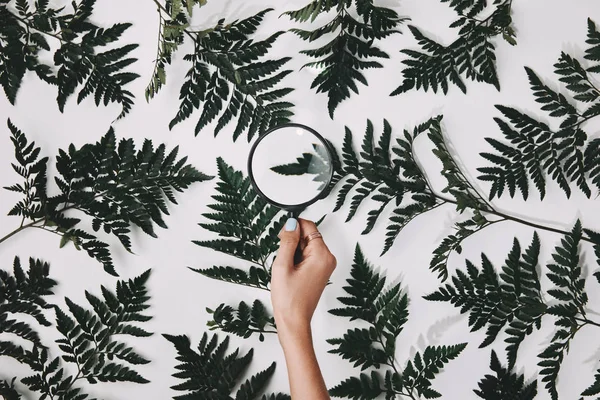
{"x":298,"y":254}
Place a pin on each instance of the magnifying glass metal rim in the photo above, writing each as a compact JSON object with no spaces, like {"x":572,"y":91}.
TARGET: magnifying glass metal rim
{"x":294,"y":208}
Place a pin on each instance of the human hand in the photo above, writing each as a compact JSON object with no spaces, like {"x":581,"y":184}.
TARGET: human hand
{"x":297,"y":288}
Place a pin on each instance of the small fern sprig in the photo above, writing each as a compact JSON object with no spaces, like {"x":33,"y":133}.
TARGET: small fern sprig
{"x":229,"y":76}
{"x":471,"y":56}
{"x":351,"y":49}
{"x":211,"y":373}
{"x":24,"y":37}
{"x":536,"y":151}
{"x":247,"y":227}
{"x":174,"y":19}
{"x":109,"y":181}
{"x":385,"y":310}
{"x":505,"y":384}
{"x":243,"y":321}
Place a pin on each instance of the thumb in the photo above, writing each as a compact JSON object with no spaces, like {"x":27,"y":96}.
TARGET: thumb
{"x":289,"y":238}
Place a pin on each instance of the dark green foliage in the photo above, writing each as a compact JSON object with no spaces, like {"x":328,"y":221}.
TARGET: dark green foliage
{"x":211,"y":373}
{"x":536,"y":151}
{"x":569,"y":311}
{"x":88,"y":336}
{"x":229,"y":78}
{"x":350,"y":49}
{"x":26,"y":33}
{"x":243,"y":321}
{"x":385,"y":310}
{"x":247,"y":227}
{"x":510,"y":300}
{"x":174,"y":20}
{"x":22,"y":293}
{"x":8,"y":391}
{"x":453,"y":242}
{"x":505,"y":385}
{"x":113,"y":183}
{"x":471,"y":56}
{"x":386,"y":175}
{"x":593,"y":389}
{"x":465,"y":197}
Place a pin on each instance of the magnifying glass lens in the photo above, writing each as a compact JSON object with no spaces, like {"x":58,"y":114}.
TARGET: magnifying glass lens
{"x":291,"y":166}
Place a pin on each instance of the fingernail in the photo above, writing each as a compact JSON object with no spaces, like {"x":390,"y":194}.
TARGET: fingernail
{"x":291,"y":225}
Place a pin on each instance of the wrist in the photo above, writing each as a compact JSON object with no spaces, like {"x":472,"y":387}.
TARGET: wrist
{"x":291,"y":333}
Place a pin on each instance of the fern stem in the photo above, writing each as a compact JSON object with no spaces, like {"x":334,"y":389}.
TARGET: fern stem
{"x":587,"y":321}
{"x":19,"y":229}
{"x":519,"y":220}
{"x":28,"y":25}
{"x":161,"y":7}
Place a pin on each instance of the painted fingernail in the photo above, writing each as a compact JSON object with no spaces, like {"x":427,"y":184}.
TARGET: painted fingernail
{"x":291,"y":225}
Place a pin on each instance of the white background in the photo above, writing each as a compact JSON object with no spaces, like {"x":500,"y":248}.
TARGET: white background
{"x":179,"y":296}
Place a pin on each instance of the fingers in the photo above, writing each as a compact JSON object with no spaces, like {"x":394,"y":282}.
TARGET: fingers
{"x":306,"y":228}
{"x":316,"y":247}
{"x":289,"y":239}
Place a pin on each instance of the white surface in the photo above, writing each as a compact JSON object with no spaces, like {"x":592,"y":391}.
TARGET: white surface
{"x":179,"y":296}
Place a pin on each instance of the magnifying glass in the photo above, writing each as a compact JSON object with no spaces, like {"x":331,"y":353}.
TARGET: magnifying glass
{"x":291,"y":167}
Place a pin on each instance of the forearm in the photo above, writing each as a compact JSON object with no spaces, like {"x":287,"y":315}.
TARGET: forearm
{"x":306,"y":380}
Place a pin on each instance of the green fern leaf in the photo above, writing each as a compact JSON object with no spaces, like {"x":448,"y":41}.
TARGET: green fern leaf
{"x":244,"y":321}
{"x":386,"y":174}
{"x":230,"y":79}
{"x":505,"y":385}
{"x":351,"y":48}
{"x":211,"y":373}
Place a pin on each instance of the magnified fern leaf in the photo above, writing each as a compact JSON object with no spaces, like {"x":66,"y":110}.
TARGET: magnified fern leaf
{"x":109,"y":181}
{"x":24,"y":36}
{"x":211,"y":373}
{"x":536,"y":151}
{"x":386,"y":174}
{"x":505,"y":385}
{"x":385,"y":310}
{"x":351,"y":48}
{"x":471,"y":56}
{"x":230,"y":78}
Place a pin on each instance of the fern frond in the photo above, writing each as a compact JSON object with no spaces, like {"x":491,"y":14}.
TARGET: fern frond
{"x":244,"y":321}
{"x":351,"y":48}
{"x":510,"y":300}
{"x":8,"y":391}
{"x":386,"y":174}
{"x":505,"y":385}
{"x":212,"y":373}
{"x":471,"y":56}
{"x":89,"y":336}
{"x":109,"y":181}
{"x":23,"y":293}
{"x":79,"y":59}
{"x":230,"y":78}
{"x":536,"y":152}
